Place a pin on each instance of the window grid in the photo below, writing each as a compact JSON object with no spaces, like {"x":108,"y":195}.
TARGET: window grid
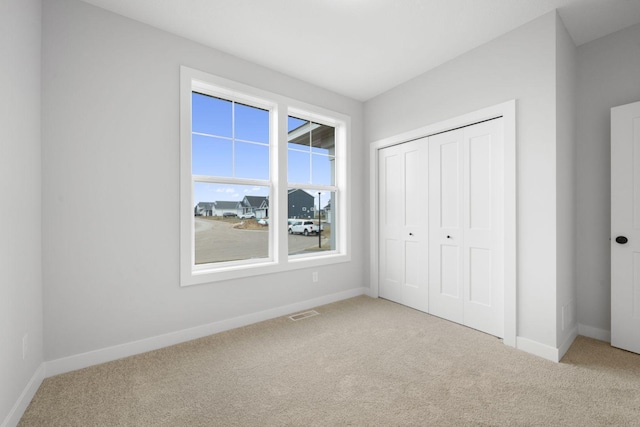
{"x":278,"y":107}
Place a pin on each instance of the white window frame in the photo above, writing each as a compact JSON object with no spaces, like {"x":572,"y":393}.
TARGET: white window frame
{"x":280,"y":107}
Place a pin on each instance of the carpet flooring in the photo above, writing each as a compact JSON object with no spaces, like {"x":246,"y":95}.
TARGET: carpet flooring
{"x":360,"y":362}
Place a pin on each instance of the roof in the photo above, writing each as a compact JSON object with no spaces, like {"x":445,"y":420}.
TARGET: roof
{"x":205,"y":205}
{"x":255,"y":201}
{"x":226,"y":205}
{"x":299,"y":189}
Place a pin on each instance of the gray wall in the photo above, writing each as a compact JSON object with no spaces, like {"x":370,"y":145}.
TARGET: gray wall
{"x":110,"y":151}
{"x":608,"y":76}
{"x":520,"y":65}
{"x":20,"y":218}
{"x":567,"y":324}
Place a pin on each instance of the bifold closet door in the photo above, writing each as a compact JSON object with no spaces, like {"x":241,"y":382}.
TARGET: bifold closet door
{"x":403,"y":224}
{"x":466,"y":197}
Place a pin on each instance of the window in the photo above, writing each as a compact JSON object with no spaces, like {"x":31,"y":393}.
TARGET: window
{"x":311,"y":170}
{"x":251,"y":162}
{"x":230,"y":170}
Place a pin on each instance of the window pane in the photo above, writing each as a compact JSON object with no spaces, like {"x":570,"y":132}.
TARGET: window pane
{"x":210,"y":115}
{"x":252,"y":161}
{"x":211,"y":156}
{"x":294,"y":123}
{"x":299,"y":167}
{"x":252,"y":124}
{"x":305,"y":136}
{"x":322,"y":170}
{"x":308,"y":211}
{"x":221,"y":232}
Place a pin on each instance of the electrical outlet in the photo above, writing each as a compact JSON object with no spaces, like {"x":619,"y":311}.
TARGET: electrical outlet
{"x":314,"y":277}
{"x":25,"y":341}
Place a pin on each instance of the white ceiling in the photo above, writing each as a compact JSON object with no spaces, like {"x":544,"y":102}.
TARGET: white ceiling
{"x":361,"y":48}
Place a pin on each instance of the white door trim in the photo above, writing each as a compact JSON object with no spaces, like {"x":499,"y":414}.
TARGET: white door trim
{"x":507,"y":110}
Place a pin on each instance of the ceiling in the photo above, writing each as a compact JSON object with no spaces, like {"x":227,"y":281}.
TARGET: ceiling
{"x":361,"y":48}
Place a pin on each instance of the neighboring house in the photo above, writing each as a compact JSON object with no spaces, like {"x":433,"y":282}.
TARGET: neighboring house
{"x":204,"y":209}
{"x":263,"y":209}
{"x":223,"y":207}
{"x":326,"y":213}
{"x":301,"y":204}
{"x":258,"y":205}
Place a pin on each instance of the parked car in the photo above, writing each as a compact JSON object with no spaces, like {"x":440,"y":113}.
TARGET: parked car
{"x":229,"y":214}
{"x":305,"y":227}
{"x":247,"y":215}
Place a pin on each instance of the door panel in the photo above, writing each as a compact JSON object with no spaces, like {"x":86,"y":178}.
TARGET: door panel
{"x":449,"y":179}
{"x":480,"y":182}
{"x":403,"y":232}
{"x":445,"y":197}
{"x":450,"y":271}
{"x":414,"y":190}
{"x":483,"y":227}
{"x":480,"y":276}
{"x":625,"y":221}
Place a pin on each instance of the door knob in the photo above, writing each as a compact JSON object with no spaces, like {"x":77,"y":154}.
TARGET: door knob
{"x":410,"y":234}
{"x":622,"y":240}
{"x":448,"y":237}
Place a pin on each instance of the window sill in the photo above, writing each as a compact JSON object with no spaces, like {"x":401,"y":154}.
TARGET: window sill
{"x":219,"y":274}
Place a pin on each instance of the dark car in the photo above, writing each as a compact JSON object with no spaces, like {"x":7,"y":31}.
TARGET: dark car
{"x":229,"y":214}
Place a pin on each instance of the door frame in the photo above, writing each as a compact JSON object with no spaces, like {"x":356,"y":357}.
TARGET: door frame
{"x":506,"y":110}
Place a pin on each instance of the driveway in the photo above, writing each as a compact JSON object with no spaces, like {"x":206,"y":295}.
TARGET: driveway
{"x":217,"y":241}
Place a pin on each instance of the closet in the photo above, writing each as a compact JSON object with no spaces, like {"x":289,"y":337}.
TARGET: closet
{"x":440,"y":220}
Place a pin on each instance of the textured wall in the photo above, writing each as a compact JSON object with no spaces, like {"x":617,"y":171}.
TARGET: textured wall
{"x":20,"y":183}
{"x":111,"y":185}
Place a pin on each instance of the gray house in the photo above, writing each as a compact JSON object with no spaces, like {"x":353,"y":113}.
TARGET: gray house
{"x":301,"y":204}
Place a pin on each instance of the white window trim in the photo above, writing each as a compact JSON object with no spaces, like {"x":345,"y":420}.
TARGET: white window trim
{"x":281,"y":106}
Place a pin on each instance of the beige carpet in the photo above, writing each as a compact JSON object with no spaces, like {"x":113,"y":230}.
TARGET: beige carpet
{"x":360,"y":362}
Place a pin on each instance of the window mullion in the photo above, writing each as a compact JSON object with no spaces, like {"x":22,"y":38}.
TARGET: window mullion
{"x":280,"y":184}
{"x":233,"y":138}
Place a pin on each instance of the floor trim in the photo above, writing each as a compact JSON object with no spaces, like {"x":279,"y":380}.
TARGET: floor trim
{"x":13,"y":418}
{"x":96,"y":357}
{"x":538,"y":349}
{"x":595,"y":333}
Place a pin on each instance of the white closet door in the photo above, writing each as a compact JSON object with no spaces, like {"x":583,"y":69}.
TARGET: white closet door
{"x":445,"y":225}
{"x":483,"y":231}
{"x":466,"y":199}
{"x":403,"y":224}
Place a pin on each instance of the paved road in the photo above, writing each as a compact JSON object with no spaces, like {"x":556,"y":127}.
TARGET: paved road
{"x":219,"y":241}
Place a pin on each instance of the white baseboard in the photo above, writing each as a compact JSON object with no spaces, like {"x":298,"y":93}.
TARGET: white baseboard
{"x":595,"y":333}
{"x":538,"y":349}
{"x":13,"y":418}
{"x":546,"y":351}
{"x":96,"y":357}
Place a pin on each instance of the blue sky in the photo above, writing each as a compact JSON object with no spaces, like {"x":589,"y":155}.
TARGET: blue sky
{"x":232,"y":140}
